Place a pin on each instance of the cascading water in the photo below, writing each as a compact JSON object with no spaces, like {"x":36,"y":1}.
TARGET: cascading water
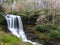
{"x":15,"y":26}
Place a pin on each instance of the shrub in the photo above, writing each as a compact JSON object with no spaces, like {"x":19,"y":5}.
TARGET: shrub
{"x":54,"y":34}
{"x":51,"y":27}
{"x":46,"y":28}
{"x":42,"y":28}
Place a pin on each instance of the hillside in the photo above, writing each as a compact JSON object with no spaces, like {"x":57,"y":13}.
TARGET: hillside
{"x":40,"y":18}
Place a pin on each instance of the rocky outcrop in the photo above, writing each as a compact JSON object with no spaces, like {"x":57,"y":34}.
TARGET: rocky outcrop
{"x":41,"y":20}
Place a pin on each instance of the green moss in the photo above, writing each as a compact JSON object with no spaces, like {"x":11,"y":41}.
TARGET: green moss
{"x":9,"y":39}
{"x":54,"y":34}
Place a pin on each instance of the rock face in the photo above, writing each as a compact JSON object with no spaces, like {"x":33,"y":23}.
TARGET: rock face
{"x":3,"y":20}
{"x":31,"y":20}
{"x":41,"y":19}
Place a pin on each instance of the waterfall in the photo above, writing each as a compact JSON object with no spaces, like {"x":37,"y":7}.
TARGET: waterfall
{"x":16,"y":27}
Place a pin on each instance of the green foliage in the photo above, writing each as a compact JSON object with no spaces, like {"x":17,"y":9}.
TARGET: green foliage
{"x":46,"y":28}
{"x":54,"y":34}
{"x":10,"y":1}
{"x":42,"y":28}
{"x":58,"y":17}
{"x":1,"y":16}
{"x":9,"y":39}
{"x":46,"y":11}
{"x":52,"y":30}
{"x":13,"y":12}
{"x":27,"y":13}
{"x":1,"y":9}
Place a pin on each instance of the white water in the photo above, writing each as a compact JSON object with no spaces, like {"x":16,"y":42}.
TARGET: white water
{"x":16,"y":27}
